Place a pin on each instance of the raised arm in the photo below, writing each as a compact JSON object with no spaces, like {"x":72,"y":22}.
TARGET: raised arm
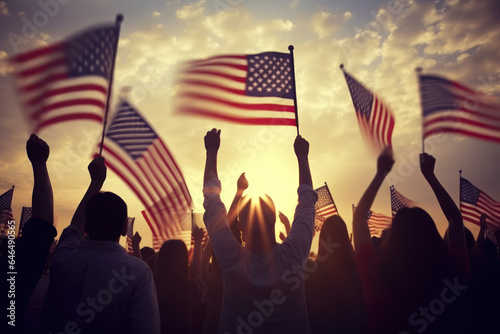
{"x":456,"y":233}
{"x":212,"y":144}
{"x":97,"y":171}
{"x":232,"y":218}
{"x":360,"y":230}
{"x":42,"y":201}
{"x":136,"y":245}
{"x":196,"y":266}
{"x":301,"y":147}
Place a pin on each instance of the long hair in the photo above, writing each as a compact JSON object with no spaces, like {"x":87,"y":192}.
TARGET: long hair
{"x":171,"y":265}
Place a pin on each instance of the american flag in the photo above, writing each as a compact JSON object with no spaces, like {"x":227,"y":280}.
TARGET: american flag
{"x":25,"y":216}
{"x":6,"y":210}
{"x":398,"y":201}
{"x":130,"y":234}
{"x":253,"y":89}
{"x":375,"y":120}
{"x":474,"y":202}
{"x":325,"y":207}
{"x":67,"y":80}
{"x":450,"y":107}
{"x":377,"y":223}
{"x":134,"y":152}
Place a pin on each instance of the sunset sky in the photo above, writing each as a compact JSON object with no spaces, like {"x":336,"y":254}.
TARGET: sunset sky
{"x":379,"y":42}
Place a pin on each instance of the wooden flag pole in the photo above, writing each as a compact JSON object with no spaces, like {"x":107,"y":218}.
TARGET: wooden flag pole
{"x":460,"y":190}
{"x":290,"y":47}
{"x":418,"y":70}
{"x":119,"y":19}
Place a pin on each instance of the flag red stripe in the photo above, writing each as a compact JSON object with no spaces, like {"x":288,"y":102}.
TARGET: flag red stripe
{"x":68,"y":103}
{"x":70,"y":89}
{"x":462,"y":120}
{"x":42,"y":68}
{"x":212,"y":85}
{"x":45,"y":81}
{"x":68,"y":117}
{"x":217,"y":74}
{"x":246,"y":106}
{"x":193,"y":62}
{"x":235,"y":66}
{"x":447,"y":129}
{"x":43,"y":51}
{"x":242,"y":120}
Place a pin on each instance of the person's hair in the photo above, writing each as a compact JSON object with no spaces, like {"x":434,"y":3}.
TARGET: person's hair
{"x":256,"y":215}
{"x":414,"y":238}
{"x":172,"y":263}
{"x":334,"y":231}
{"x":105,"y":216}
{"x":146,"y":253}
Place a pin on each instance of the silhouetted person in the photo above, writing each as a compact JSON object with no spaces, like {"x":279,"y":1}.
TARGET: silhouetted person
{"x":178,"y":295}
{"x":419,"y":284}
{"x":333,"y":289}
{"x":146,"y":253}
{"x":31,"y":250}
{"x":95,"y":286}
{"x":263,"y":281}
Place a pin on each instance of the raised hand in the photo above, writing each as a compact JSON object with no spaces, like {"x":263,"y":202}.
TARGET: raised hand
{"x":482,"y":221}
{"x":242,"y":182}
{"x":212,"y":140}
{"x":37,"y":149}
{"x":301,"y":147}
{"x":385,"y":161}
{"x":97,"y":170}
{"x":427,"y":163}
{"x":136,"y":238}
{"x":197,"y":233}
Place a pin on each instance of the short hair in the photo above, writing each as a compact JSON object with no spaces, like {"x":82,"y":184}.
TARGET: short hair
{"x":105,"y":216}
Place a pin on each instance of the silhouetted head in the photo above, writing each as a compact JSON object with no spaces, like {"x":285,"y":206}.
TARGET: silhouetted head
{"x":257,"y":216}
{"x":146,"y":253}
{"x":414,"y":239}
{"x":105,"y":217}
{"x":334,"y":232}
{"x":171,"y":262}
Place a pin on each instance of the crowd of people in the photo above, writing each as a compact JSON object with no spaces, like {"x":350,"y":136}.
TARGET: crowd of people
{"x":411,"y":280}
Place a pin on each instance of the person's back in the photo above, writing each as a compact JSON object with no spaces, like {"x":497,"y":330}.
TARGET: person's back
{"x":178,"y":295}
{"x":333,"y":289}
{"x":263,"y":281}
{"x":95,"y":286}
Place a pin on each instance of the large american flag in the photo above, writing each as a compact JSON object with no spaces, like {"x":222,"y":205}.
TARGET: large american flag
{"x":26,"y":214}
{"x":375,"y":120}
{"x":399,"y":201}
{"x":130,"y":234}
{"x":474,"y":202}
{"x":67,"y":80}
{"x":253,"y":89}
{"x":450,"y":107}
{"x":135,"y":152}
{"x":6,"y":209}
{"x":325,"y":207}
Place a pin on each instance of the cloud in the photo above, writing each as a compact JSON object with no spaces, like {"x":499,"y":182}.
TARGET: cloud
{"x":191,"y":10}
{"x":325,"y":23}
{"x":4,"y":11}
{"x":156,"y":14}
